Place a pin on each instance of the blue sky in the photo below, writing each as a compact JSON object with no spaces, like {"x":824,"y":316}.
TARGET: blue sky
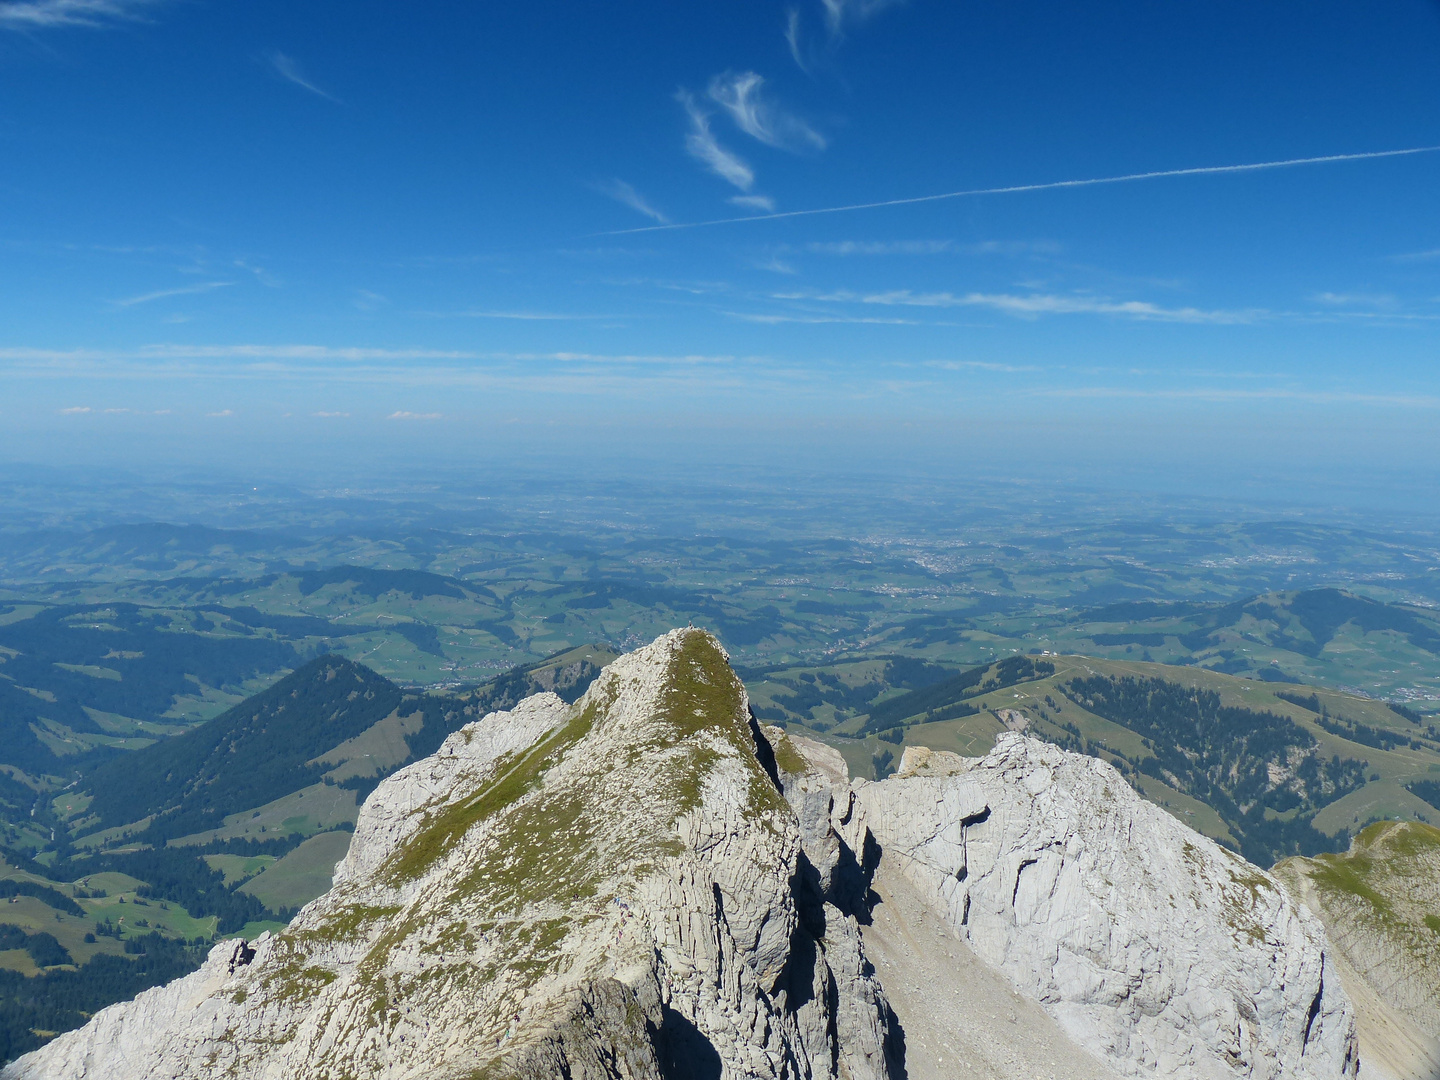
{"x":286,"y":225}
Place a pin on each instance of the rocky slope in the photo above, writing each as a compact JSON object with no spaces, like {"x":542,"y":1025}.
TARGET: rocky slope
{"x":1380,"y":903}
{"x":644,"y":885}
{"x":1154,"y":948}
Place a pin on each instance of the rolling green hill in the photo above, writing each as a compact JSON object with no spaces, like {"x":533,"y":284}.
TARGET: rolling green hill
{"x":78,"y":682}
{"x":255,"y":753}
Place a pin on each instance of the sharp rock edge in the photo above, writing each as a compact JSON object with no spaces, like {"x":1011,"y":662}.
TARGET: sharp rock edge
{"x":642,"y":886}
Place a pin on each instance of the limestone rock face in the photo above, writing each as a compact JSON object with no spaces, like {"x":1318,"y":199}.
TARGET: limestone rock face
{"x":611,"y":889}
{"x":1156,"y":949}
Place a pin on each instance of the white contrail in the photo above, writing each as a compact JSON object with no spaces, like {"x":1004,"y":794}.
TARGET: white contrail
{"x":1207,"y":170}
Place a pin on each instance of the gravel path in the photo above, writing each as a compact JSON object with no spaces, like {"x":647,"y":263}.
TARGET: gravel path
{"x":962,"y":1020}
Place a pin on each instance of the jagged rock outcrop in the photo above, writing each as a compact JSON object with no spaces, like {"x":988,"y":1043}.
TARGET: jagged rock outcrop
{"x":1380,"y":903}
{"x":611,"y":889}
{"x":642,"y":885}
{"x":1154,"y":948}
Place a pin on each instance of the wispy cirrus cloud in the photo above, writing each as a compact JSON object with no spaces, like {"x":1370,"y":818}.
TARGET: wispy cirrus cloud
{"x":43,"y":14}
{"x":817,"y":320}
{"x":519,"y":316}
{"x":704,"y":147}
{"x":837,"y":16}
{"x":1314,"y":397}
{"x":1369,"y":300}
{"x":262,"y":275}
{"x":932,"y":247}
{"x":981,"y":365}
{"x":403,"y":414}
{"x":753,"y":202}
{"x":626,"y":195}
{"x":774,"y":265}
{"x":288,"y":69}
{"x":1036,"y":305}
{"x":742,"y":96}
{"x":1416,"y":256}
{"x":163,"y":294}
{"x":320,"y":358}
{"x":792,"y":39}
{"x":879,"y":247}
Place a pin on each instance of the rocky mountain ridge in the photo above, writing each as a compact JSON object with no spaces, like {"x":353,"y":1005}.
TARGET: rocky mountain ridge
{"x":644,"y":884}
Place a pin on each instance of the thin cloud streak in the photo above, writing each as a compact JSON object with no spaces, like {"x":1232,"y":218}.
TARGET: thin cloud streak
{"x":792,"y":38}
{"x":626,"y":195}
{"x":755,"y":202}
{"x":521,"y":316}
{"x":1037,"y":304}
{"x":817,"y":320}
{"x":1373,"y":300}
{"x":1034,"y":305}
{"x":880,"y":247}
{"x":1313,"y":397}
{"x":980,"y":365}
{"x":1417,"y":256}
{"x":270,"y":357}
{"x":1056,"y":185}
{"x":162,"y":294}
{"x":289,"y":70}
{"x":43,"y":14}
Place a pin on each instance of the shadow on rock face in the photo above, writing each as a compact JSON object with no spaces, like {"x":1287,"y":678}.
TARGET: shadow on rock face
{"x":685,"y":1054}
{"x":895,"y":1047}
{"x":850,"y":884}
